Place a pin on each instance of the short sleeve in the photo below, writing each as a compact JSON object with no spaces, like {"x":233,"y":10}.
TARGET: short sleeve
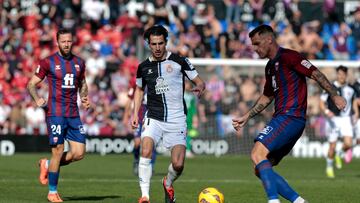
{"x":188,"y":69}
{"x":302,"y":65}
{"x":42,"y":69}
{"x":268,"y":88}
{"x":139,"y":77}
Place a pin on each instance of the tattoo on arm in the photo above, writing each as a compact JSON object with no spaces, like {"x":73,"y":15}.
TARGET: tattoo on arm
{"x":32,"y":90}
{"x":83,"y":90}
{"x":321,"y":79}
{"x":259,"y":106}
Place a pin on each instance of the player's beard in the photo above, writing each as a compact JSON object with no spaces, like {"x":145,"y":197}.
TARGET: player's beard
{"x":64,"y":53}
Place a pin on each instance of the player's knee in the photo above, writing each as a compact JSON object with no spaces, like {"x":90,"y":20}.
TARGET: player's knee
{"x":178,"y":167}
{"x":146,"y":152}
{"x":257,"y":157}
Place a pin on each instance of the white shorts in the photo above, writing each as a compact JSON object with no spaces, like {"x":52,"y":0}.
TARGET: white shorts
{"x":171,"y":133}
{"x":337,"y":127}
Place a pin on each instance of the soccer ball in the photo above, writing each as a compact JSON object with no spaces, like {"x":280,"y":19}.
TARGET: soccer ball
{"x":211,"y":195}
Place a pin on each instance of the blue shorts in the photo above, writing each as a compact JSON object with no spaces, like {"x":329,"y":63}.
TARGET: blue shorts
{"x":280,"y":135}
{"x":61,"y":128}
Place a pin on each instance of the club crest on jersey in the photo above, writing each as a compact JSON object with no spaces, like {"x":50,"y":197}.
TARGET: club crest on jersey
{"x":169,"y":69}
{"x":266,"y":130}
{"x":306,"y":64}
{"x":161,"y":86}
{"x":77,"y":67}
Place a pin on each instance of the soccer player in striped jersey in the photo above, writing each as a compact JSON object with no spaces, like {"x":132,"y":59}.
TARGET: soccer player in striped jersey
{"x":285,"y":73}
{"x":163,"y":74}
{"x":65,"y":73}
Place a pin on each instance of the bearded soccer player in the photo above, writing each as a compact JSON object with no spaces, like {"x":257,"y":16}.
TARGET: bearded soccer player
{"x":65,"y":74}
{"x":285,"y":74}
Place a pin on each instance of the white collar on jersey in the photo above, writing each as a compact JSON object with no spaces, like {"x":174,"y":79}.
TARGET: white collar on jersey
{"x":168,"y":53}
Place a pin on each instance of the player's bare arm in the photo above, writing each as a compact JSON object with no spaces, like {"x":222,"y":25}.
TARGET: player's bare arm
{"x":83,"y":92}
{"x":199,"y":88}
{"x":259,"y":106}
{"x":31,"y":86}
{"x":321,"y":79}
{"x":138,"y":97}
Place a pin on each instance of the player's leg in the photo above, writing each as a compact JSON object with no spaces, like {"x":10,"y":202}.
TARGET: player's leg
{"x":174,"y":139}
{"x":145,"y":167}
{"x":53,"y":174}
{"x":330,"y":159}
{"x":76,"y":137}
{"x":136,"y":153}
{"x":149,"y":138}
{"x":346,"y":130}
{"x":264,"y":170}
{"x":273,"y":143}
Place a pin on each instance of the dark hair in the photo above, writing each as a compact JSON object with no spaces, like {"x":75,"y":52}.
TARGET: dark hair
{"x":261,"y":29}
{"x":342,"y":68}
{"x":61,"y":32}
{"x":156,"y":30}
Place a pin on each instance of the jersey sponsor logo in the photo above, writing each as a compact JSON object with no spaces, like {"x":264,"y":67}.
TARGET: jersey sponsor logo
{"x":150,"y":71}
{"x":266,"y":130}
{"x":57,"y":67}
{"x":306,"y":64}
{"x":161,"y":86}
{"x":68,"y":81}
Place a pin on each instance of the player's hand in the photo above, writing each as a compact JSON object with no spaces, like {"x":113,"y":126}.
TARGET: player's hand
{"x":41,"y":102}
{"x":85,"y":103}
{"x":238,"y":123}
{"x":339,"y":101}
{"x":135,"y":122}
{"x":198,"y":91}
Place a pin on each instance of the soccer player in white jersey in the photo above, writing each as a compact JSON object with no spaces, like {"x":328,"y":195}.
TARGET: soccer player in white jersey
{"x":339,"y":123}
{"x":163,"y":73}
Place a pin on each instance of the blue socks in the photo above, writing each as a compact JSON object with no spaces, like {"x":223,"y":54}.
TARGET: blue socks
{"x":136,"y":152}
{"x":53,"y":181}
{"x":273,"y":183}
{"x":284,"y":188}
{"x":267,"y":177}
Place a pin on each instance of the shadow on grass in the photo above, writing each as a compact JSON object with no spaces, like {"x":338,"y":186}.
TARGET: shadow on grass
{"x":91,"y":198}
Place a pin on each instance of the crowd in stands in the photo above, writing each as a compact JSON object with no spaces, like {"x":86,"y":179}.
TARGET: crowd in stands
{"x":109,"y":37}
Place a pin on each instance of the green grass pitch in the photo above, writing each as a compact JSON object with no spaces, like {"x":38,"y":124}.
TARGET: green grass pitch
{"x":109,"y":179}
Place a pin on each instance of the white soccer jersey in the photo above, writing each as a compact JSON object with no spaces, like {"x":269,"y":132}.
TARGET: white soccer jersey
{"x":345,"y":91}
{"x":165,"y":82}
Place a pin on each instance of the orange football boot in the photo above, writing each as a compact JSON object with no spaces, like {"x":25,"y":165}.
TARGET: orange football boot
{"x":55,"y":197}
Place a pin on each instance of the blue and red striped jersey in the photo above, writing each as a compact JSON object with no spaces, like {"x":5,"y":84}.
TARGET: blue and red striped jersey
{"x":286,"y":82}
{"x":64,"y":76}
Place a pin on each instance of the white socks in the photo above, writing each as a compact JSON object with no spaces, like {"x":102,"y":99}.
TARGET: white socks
{"x":299,"y":200}
{"x":329,"y":162}
{"x":145,"y":173}
{"x":171,"y":176}
{"x":274,"y":201}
